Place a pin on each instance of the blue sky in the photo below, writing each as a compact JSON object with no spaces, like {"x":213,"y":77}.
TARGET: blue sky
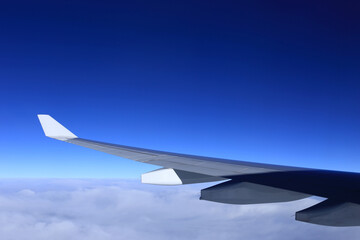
{"x":258,"y":81}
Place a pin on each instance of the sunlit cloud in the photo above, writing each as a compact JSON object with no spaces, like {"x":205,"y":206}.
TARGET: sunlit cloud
{"x":121,"y":209}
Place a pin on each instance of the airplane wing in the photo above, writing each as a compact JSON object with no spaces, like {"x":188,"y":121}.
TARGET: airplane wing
{"x":246,"y":182}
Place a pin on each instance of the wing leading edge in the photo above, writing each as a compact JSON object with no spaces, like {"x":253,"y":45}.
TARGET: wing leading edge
{"x":248,"y":182}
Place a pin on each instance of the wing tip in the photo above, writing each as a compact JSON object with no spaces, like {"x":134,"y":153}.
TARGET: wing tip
{"x":54,"y":129}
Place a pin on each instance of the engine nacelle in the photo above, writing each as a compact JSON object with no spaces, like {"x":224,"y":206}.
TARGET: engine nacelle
{"x":248,"y":193}
{"x":331,"y":213}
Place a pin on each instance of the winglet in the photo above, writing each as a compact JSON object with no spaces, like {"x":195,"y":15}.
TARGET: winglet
{"x":53,"y":129}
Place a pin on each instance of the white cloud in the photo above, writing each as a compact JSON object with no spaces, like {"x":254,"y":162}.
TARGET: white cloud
{"x":119,"y":209}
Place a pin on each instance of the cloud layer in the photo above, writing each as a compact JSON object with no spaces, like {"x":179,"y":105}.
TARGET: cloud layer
{"x":120,"y":209}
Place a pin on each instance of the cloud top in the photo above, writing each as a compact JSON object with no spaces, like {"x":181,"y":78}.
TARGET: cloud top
{"x":121,"y":209}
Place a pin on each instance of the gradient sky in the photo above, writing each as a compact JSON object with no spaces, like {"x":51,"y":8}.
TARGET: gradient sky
{"x":264,"y":81}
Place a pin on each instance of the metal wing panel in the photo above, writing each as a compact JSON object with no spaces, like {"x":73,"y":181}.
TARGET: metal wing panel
{"x":197,"y":164}
{"x":130,"y":153}
{"x":331,"y":213}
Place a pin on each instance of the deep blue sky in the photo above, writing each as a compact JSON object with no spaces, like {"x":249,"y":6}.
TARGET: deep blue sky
{"x":264,"y":81}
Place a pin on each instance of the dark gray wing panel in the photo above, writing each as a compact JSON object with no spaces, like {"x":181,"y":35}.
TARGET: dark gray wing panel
{"x":331,"y":213}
